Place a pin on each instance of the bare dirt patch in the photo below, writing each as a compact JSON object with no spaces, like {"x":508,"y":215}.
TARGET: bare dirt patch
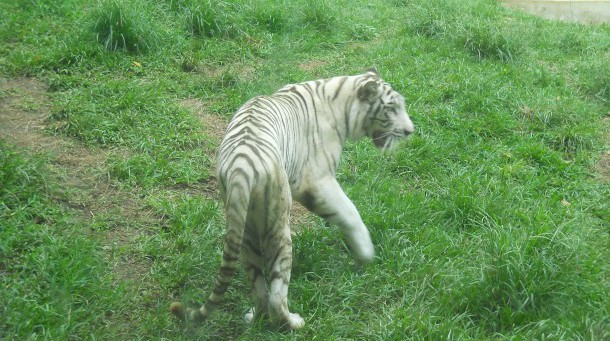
{"x":603,"y":167}
{"x":213,"y":125}
{"x":312,"y":65}
{"x":23,"y":111}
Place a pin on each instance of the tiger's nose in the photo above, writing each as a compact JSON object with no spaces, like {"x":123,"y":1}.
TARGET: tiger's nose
{"x":408,"y":127}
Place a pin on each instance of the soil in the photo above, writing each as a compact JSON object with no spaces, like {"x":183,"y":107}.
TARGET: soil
{"x":312,"y":65}
{"x":603,"y":165}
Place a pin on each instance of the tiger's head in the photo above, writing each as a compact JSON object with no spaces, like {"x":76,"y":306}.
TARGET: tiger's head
{"x":386,"y":121}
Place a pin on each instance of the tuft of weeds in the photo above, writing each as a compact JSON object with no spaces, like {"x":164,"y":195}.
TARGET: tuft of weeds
{"x":124,"y":26}
{"x":21,"y":180}
{"x":433,"y":19}
{"x":205,"y":18}
{"x":595,"y":80}
{"x":486,"y":41}
{"x":161,"y":165}
{"x":479,"y":37}
{"x":574,"y":139}
{"x":431,"y":24}
{"x":208,"y":19}
{"x":319,"y":14}
{"x":363,"y":32}
{"x":272,"y":18}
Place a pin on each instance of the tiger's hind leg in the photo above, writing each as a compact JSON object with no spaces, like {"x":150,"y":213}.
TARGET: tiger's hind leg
{"x":277,"y":248}
{"x":252,"y":260}
{"x":278,"y":257}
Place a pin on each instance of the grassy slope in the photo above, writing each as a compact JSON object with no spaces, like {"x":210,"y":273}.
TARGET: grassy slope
{"x":474,"y":234}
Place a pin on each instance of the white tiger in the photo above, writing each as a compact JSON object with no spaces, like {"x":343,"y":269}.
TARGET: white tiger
{"x":287,"y":146}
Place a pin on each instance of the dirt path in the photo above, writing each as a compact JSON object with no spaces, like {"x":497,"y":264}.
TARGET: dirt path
{"x":603,"y":165}
{"x":114,"y":215}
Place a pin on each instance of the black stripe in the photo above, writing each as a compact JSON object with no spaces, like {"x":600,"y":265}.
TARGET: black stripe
{"x":227,"y":271}
{"x":308,"y":200}
{"x":339,"y":87}
{"x":229,"y":257}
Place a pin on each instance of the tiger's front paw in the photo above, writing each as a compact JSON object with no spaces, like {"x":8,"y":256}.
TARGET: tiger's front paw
{"x":295,"y":321}
{"x":364,"y":254}
{"x":249,"y":317}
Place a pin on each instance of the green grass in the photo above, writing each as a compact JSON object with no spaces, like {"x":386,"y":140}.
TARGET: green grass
{"x":54,"y":285}
{"x":489,"y":223}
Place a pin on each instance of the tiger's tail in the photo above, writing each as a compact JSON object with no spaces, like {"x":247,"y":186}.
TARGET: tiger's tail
{"x":236,"y":222}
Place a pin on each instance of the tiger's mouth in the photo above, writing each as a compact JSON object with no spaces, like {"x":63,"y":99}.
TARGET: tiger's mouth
{"x":388,"y":140}
{"x":380,"y":139}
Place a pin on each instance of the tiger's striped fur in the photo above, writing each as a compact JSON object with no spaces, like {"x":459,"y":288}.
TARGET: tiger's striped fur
{"x":287,"y":146}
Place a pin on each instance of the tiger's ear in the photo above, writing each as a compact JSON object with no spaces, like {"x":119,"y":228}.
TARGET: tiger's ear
{"x":373,"y":71}
{"x":369,"y":91}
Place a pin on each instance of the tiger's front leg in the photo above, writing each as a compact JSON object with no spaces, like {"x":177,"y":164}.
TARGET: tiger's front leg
{"x":328,"y":201}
